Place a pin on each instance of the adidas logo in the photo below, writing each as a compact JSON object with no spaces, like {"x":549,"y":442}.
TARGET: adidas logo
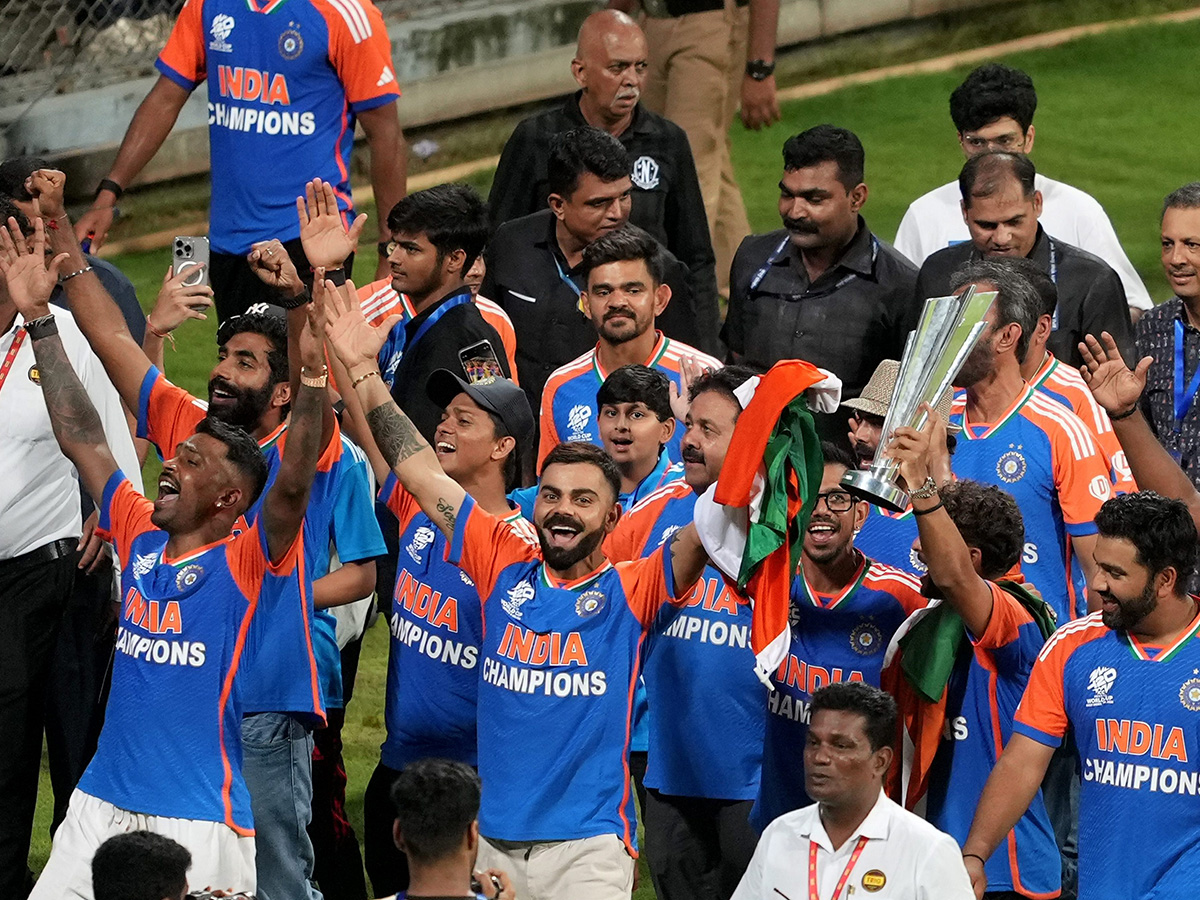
{"x":386,"y":78}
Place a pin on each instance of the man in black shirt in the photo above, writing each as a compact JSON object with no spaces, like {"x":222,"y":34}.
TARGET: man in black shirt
{"x":1001,"y":206}
{"x":436,"y":236}
{"x":610,"y":67}
{"x":534,"y":263}
{"x":823,"y":288}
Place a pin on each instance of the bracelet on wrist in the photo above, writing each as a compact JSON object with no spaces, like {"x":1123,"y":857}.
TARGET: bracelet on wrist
{"x":314,"y":381}
{"x":374,"y":373}
{"x":925,"y":512}
{"x":63,"y":279}
{"x":975,"y":856}
{"x":41,"y":327}
{"x":1117,"y":417}
{"x":162,"y":335}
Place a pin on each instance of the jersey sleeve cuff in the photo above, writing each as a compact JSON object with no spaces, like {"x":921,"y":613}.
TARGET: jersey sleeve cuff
{"x":184,"y":82}
{"x":1083,"y":529}
{"x":361,"y":106}
{"x":143,"y":412}
{"x":460,"y":530}
{"x":668,"y":572}
{"x":115,"y":480}
{"x":1036,"y":734}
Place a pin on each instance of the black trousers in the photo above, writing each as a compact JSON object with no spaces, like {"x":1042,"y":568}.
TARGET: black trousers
{"x":698,"y":849}
{"x":236,"y":288}
{"x":33,"y":596}
{"x":387,"y":866}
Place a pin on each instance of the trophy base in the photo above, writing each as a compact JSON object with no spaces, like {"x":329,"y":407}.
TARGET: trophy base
{"x":869,"y":487}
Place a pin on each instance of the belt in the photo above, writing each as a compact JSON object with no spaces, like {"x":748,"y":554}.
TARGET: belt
{"x":41,"y":555}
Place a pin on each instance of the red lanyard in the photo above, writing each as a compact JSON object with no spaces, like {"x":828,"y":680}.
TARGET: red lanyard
{"x":812,"y":869}
{"x":11,"y":356}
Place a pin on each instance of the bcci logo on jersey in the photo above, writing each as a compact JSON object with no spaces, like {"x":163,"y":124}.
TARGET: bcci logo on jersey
{"x":577,"y":421}
{"x":188,"y":576}
{"x":222,"y":25}
{"x":866,"y":639}
{"x":422,"y":538}
{"x":518,"y":596}
{"x":1011,"y":467}
{"x":1189,"y":694}
{"x":1100,"y":683}
{"x":589,"y":603}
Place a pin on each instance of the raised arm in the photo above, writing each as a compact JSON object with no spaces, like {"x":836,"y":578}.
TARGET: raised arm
{"x":688,"y":559}
{"x":951,"y":567}
{"x":356,"y":342}
{"x":77,"y":426}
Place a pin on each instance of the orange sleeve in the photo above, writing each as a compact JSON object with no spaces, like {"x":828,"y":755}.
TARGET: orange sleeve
{"x":124,"y":514}
{"x":484,"y":545}
{"x":648,"y":584}
{"x":184,"y":59}
{"x":1082,"y":476}
{"x":548,"y":439}
{"x":249,"y":561}
{"x":1004,"y":626}
{"x":401,"y":503}
{"x":167,"y":414}
{"x":361,"y":52}
{"x":628,"y":539}
{"x":1042,"y":713}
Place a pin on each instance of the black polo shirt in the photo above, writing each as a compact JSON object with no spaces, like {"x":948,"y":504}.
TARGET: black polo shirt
{"x":1091,"y":298}
{"x":666,"y":192}
{"x":854,"y":315}
{"x":454,"y":331}
{"x":527,"y":275}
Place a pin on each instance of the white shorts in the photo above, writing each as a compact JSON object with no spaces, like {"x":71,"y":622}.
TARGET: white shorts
{"x":221,"y":858}
{"x":595,"y":868}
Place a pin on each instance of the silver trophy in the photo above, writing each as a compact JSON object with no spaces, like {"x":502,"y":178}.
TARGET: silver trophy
{"x":933,"y":354}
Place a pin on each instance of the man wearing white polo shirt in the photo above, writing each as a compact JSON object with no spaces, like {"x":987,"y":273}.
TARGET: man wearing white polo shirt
{"x":853,"y":838}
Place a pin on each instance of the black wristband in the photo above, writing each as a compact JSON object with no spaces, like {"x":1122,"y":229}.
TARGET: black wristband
{"x":42,"y":327}
{"x":294,"y":302}
{"x":107,"y":184}
{"x":925,"y":512}
{"x":975,"y":856}
{"x":337,"y":276}
{"x":1125,"y":415}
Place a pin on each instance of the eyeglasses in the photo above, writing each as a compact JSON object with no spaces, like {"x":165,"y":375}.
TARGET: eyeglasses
{"x":1007,"y":142}
{"x":836,"y":501}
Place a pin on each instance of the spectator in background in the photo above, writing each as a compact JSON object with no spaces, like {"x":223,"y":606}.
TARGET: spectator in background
{"x":610,"y":68}
{"x":993,"y":110}
{"x":140,"y":865}
{"x":1001,"y":205}
{"x":823,"y":288}
{"x":535,"y":264}
{"x":320,"y":68}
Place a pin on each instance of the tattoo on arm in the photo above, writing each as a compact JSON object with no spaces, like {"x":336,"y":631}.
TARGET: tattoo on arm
{"x":395,"y":435}
{"x":447,"y":511}
{"x":72,"y":414}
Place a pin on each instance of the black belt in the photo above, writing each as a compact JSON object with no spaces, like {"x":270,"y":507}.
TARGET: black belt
{"x":40,"y":556}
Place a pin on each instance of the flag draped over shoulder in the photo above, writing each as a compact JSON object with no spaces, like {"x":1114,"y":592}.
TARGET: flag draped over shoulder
{"x":752,"y":521}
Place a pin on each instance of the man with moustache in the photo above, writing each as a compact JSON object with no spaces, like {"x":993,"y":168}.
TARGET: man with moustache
{"x":845,"y":608}
{"x":824,"y":288}
{"x":610,"y":68}
{"x":1125,"y":681}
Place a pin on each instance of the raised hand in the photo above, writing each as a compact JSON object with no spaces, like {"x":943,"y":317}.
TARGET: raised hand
{"x":269,"y":260}
{"x":689,"y":370}
{"x":325,"y":239}
{"x":1115,"y":386}
{"x":28,"y":278}
{"x":911,"y":448}
{"x":355,"y":341}
{"x":46,"y":186}
{"x":177,"y":302}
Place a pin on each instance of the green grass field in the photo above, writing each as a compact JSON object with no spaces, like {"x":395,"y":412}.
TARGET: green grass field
{"x":1113,"y":121}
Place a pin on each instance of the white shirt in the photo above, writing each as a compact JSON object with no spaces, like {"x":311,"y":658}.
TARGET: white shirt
{"x":905,"y":858}
{"x":39,"y":493}
{"x":935,"y":221}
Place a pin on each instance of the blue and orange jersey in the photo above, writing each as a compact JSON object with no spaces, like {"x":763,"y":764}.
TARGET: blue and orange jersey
{"x":1135,"y":711}
{"x":888,"y":538}
{"x":558,"y":667}
{"x":171,"y":743}
{"x":707,"y":705}
{"x":436,"y":624}
{"x":569,"y":411}
{"x":838,"y":637}
{"x":286,"y":82}
{"x":981,"y":699}
{"x":1041,"y":453}
{"x":379,"y":299}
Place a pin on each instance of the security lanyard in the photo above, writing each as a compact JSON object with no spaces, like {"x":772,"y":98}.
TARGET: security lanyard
{"x":11,"y":356}
{"x":1053,"y":279}
{"x":1183,"y":398}
{"x":777,"y":255}
{"x":434,"y":316}
{"x":813,"y":893}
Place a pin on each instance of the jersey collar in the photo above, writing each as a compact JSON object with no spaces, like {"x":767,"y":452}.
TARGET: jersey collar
{"x":268,"y":7}
{"x":1137,"y":648}
{"x":579,"y":583}
{"x":660,"y":347}
{"x":1049,"y":364}
{"x":1021,"y":400}
{"x":813,"y":598}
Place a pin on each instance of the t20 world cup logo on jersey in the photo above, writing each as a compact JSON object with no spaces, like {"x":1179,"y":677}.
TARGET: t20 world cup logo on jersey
{"x":577,"y":421}
{"x":518,"y":595}
{"x":222,"y":25}
{"x":421,"y":539}
{"x":1100,"y":683}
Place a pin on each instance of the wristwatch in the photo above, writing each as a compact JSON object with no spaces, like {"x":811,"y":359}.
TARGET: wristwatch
{"x":926,"y":490}
{"x":760,"y":69}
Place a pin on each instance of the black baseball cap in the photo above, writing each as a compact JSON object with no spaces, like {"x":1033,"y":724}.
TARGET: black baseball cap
{"x":231,"y":326}
{"x":499,"y":396}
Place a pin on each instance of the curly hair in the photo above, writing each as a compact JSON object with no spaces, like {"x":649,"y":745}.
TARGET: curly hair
{"x":988,"y":520}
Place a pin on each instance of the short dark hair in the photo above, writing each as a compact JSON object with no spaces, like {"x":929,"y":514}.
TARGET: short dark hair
{"x":1161,"y":529}
{"x":877,"y":708}
{"x":628,"y":242}
{"x":139,"y":865}
{"x":724,"y":380}
{"x":988,"y":520}
{"x":985,"y":175}
{"x":992,"y":92}
{"x":638,"y":384}
{"x":1016,"y":301}
{"x":241,"y":450}
{"x":827,"y":143}
{"x":1185,"y":197}
{"x":436,"y":801}
{"x":580,"y":150}
{"x":9,"y":208}
{"x":274,"y":329}
{"x":575,"y":453}
{"x":15,"y":170}
{"x":837,"y":455}
{"x":451,"y":216}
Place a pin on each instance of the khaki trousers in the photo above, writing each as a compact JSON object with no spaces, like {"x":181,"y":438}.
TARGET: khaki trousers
{"x":697,"y":63}
{"x":595,"y":868}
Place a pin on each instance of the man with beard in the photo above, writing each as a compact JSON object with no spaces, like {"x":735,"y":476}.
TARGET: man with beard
{"x":559,"y":658}
{"x":824,"y":288}
{"x":980,"y":636}
{"x":845,"y":608}
{"x":1125,"y":681}
{"x":169,"y":754}
{"x":624,"y":272}
{"x":1027,"y":443}
{"x":706,"y":724}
